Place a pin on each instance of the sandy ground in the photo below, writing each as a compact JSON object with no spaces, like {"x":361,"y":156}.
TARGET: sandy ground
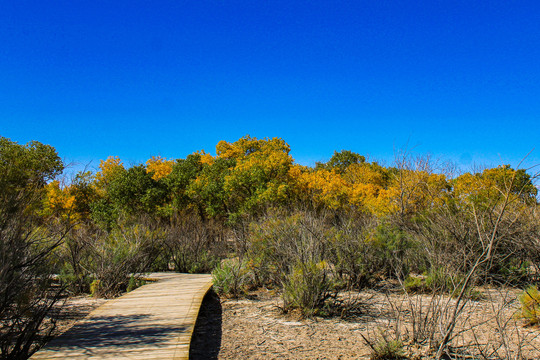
{"x":256,"y":328}
{"x":73,"y":309}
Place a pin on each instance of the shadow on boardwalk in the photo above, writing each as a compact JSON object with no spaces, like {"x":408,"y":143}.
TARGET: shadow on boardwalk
{"x":154,"y":321}
{"x":206,"y":340}
{"x":122,"y":331}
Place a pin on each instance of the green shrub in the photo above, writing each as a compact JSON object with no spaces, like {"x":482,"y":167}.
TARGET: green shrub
{"x":414,"y":284}
{"x":388,"y":350}
{"x":443,"y":280}
{"x":512,"y":271}
{"x":264,"y":273}
{"x":392,"y":251}
{"x":278,"y":243}
{"x":116,"y":255}
{"x":74,"y":283}
{"x":440,"y":280}
{"x":231,"y":277}
{"x":274,"y":246}
{"x":135,"y":282}
{"x":475,"y":294}
{"x":95,"y":288}
{"x":205,"y":263}
{"x":353,"y":257}
{"x":530,"y":305}
{"x":307,"y":288}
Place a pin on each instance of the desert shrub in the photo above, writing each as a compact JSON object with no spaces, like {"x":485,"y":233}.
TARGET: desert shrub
{"x":351,"y":255}
{"x":530,"y":305}
{"x":272,"y":248}
{"x":414,"y":284}
{"x":134,"y":282}
{"x":437,"y":280}
{"x":72,"y":255}
{"x":192,"y":245}
{"x":512,"y":271}
{"x":27,"y":244}
{"x":278,"y":243}
{"x":100,"y":262}
{"x":443,"y":280}
{"x":95,"y":287}
{"x":307,"y":288}
{"x":264,"y":274}
{"x":386,"y":349}
{"x":364,"y":251}
{"x":231,"y":277}
{"x":74,"y":282}
{"x":118,"y":254}
{"x":392,"y":249}
{"x":455,"y":233}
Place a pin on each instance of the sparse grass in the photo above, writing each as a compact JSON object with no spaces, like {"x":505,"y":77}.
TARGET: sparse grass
{"x":388,"y":350}
{"x":530,"y":305}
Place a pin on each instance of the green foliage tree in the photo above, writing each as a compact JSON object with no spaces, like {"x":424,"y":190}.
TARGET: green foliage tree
{"x":184,"y":172}
{"x":259,"y":176}
{"x":84,"y":192}
{"x":208,"y":189}
{"x":136,"y":192}
{"x":341,"y":160}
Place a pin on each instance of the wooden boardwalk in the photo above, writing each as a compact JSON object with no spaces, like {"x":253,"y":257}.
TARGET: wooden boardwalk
{"x":154,"y":321}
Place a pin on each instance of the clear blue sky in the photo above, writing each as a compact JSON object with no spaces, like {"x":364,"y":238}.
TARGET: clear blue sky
{"x":458,"y":79}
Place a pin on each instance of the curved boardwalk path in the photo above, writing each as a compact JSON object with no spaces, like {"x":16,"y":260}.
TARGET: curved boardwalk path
{"x":154,"y":321}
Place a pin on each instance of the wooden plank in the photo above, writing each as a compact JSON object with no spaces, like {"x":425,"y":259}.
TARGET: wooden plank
{"x":155,"y":321}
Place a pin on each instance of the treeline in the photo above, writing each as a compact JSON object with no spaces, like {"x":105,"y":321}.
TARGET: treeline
{"x":308,"y":231}
{"x":249,"y":176}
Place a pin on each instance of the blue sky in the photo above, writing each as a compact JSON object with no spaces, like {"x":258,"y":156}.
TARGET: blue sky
{"x":457,"y":79}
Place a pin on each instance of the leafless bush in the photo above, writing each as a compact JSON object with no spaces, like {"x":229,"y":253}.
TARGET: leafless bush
{"x":72,"y":256}
{"x":114,"y":256}
{"x":193,"y":245}
{"x":482,"y":238}
{"x":508,"y":339}
{"x":488,"y":329}
{"x":26,"y":296}
{"x":278,"y":243}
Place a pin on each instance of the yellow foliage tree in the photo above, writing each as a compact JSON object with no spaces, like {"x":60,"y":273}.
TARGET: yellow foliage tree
{"x":109,"y":169}
{"x":368,"y":189}
{"x":259,"y":171}
{"x":59,"y":201}
{"x":417,"y":190}
{"x":489,"y":187}
{"x":206,"y":159}
{"x":324,"y":187}
{"x":468,"y":187}
{"x":159,"y":167}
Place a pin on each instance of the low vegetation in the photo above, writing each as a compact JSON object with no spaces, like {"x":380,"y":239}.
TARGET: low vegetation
{"x":530,"y":305}
{"x":255,"y":218}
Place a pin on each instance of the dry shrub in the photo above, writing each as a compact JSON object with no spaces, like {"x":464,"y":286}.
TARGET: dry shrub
{"x":193,"y":245}
{"x":117,"y":255}
{"x":27,"y":242}
{"x":231,"y":278}
{"x":307,"y":288}
{"x":364,"y":251}
{"x":278,"y":243}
